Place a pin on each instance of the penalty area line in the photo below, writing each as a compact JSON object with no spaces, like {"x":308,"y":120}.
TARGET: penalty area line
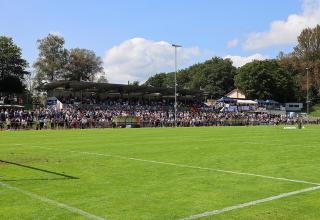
{"x":53,"y":202}
{"x":186,"y":166}
{"x":247,"y":204}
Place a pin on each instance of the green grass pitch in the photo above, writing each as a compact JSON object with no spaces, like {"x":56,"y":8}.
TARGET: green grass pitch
{"x":215,"y":173}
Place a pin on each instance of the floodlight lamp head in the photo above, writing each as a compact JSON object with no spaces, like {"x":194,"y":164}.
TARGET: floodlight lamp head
{"x":176,"y":45}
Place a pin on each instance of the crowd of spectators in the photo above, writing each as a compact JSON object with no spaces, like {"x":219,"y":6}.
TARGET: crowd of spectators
{"x":154,"y":114}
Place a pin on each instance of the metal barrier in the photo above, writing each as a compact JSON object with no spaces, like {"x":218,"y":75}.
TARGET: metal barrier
{"x":60,"y":125}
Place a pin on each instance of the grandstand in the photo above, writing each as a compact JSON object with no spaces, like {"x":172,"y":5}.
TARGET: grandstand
{"x":101,"y":91}
{"x":72,"y":104}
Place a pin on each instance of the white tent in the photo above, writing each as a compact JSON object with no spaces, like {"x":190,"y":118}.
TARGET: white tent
{"x":247,"y":102}
{"x":53,"y":102}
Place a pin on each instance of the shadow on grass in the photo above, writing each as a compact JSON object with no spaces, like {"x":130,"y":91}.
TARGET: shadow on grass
{"x":34,"y":179}
{"x":64,"y":176}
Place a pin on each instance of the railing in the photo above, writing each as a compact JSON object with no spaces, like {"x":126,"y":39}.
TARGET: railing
{"x":36,"y":125}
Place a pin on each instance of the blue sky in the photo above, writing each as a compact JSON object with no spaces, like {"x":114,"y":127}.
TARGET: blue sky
{"x":133,"y":36}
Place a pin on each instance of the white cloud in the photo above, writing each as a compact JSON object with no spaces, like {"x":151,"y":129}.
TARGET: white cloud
{"x":232,"y":43}
{"x":139,"y":58}
{"x":239,"y":61}
{"x":285,"y":32}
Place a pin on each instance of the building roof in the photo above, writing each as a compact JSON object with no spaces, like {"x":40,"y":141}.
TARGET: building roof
{"x":114,"y":88}
{"x":236,"y":94}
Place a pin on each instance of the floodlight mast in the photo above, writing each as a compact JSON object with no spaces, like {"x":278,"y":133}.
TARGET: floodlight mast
{"x":175,"y":83}
{"x":308,"y":102}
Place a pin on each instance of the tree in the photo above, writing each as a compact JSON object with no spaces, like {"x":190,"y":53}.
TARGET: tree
{"x":135,"y":83}
{"x":218,"y":76}
{"x":214,"y":76}
{"x":83,"y":65}
{"x":308,"y":47}
{"x":291,"y":64}
{"x":102,"y":79}
{"x":12,"y":66}
{"x":11,"y":84}
{"x":307,"y":55}
{"x":265,"y":80}
{"x":52,"y":58}
{"x":158,"y":80}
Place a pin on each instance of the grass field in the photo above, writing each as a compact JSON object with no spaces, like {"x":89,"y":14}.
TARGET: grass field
{"x":244,"y":173}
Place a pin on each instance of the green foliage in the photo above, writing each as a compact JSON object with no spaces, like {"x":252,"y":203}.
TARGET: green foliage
{"x":284,"y":79}
{"x":11,"y":84}
{"x":308,"y":47}
{"x":83,"y":65}
{"x":135,"y":83}
{"x":12,"y":66}
{"x":57,"y":63}
{"x":306,"y":55}
{"x":52,"y":59}
{"x":157,"y":80}
{"x":102,"y":79}
{"x":315,"y":110}
{"x":214,"y":76}
{"x":265,"y":80}
{"x":217,"y":76}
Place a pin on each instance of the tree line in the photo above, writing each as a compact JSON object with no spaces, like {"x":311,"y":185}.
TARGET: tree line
{"x":267,"y":79}
{"x":283,"y":79}
{"x":54,"y":62}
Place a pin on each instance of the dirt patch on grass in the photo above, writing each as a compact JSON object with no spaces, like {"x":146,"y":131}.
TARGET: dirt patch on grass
{"x":31,"y":160}
{"x":28,"y":160}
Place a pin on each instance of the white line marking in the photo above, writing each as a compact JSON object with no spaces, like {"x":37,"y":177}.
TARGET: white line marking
{"x":288,"y":128}
{"x":188,"y":166}
{"x":219,"y":211}
{"x":53,"y":202}
{"x":252,"y":203}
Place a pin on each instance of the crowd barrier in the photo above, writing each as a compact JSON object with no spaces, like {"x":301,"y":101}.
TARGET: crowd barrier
{"x":36,"y":125}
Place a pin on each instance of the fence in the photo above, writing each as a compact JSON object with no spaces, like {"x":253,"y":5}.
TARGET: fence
{"x":39,"y":125}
